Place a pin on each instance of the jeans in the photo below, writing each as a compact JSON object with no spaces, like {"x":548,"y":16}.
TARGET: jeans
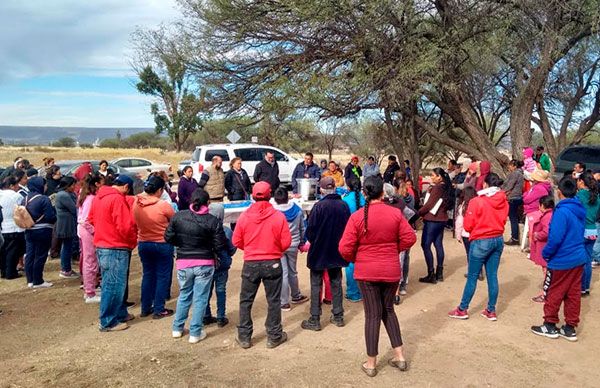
{"x":219,"y":284}
{"x":194,"y":286}
{"x":485,"y":252}
{"x":405,"y":263}
{"x":433,"y":233}
{"x":586,"y":279}
{"x":316,"y":282}
{"x":157,"y":265}
{"x":513,"y":216}
{"x":596,"y":249}
{"x":66,"y":254}
{"x":253,"y":273}
{"x":352,"y":291}
{"x":12,"y":249}
{"x":37,"y":244}
{"x":114,"y":264}
{"x":289,"y":279}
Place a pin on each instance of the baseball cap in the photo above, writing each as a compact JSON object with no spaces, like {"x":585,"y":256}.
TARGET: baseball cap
{"x":327,"y":183}
{"x":122,"y":180}
{"x":261,"y":190}
{"x":154,"y":183}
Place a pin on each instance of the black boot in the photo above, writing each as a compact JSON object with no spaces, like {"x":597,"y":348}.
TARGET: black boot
{"x":439,"y":274}
{"x":430,"y":278}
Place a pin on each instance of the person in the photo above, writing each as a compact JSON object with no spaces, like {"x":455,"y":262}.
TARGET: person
{"x":470,"y":178}
{"x":539,"y":236}
{"x":484,"y":169}
{"x":306,"y":169}
{"x":566,"y":256}
{"x":152,"y":216}
{"x":353,"y":168}
{"x":435,"y":216}
{"x":103,"y":168}
{"x":267,"y":170}
{"x":390,"y":170}
{"x":513,"y":188}
{"x":85,"y":231}
{"x":529,"y":164}
{"x":22,"y":180}
{"x":237,"y":181}
{"x":326,"y":225}
{"x":295,"y":219}
{"x":197,"y":235}
{"x":542,"y":159}
{"x":451,"y":168}
{"x":12,"y":169}
{"x":414,"y":192}
{"x":66,"y":224}
{"x":48,"y":162}
{"x":459,"y":232}
{"x":263,"y":234}
{"x":187,"y":185}
{"x":334,"y":173}
{"x":371,"y":168}
{"x":531,"y":199}
{"x":578,"y":169}
{"x":355,"y":201}
{"x":596,"y":250}
{"x":115,"y":236}
{"x":213,"y":180}
{"x":407,"y":169}
{"x":14,"y":237}
{"x":38,"y":237}
{"x":484,"y":220}
{"x":53,"y":177}
{"x":323,"y":166}
{"x":588,"y":195}
{"x":221,"y":274}
{"x":372,"y":240}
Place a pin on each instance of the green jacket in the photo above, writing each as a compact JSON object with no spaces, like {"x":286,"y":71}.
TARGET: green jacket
{"x":545,"y":162}
{"x":591,"y":211}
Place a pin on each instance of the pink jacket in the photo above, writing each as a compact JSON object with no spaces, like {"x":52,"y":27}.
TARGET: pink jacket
{"x":539,"y":236}
{"x":459,"y":230}
{"x":82,"y":215}
{"x":529,"y":164}
{"x":531,"y":199}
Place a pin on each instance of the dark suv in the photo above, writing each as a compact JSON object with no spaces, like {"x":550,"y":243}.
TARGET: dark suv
{"x":588,"y":154}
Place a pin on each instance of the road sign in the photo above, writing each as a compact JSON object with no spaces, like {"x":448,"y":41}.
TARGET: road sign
{"x":233,"y":137}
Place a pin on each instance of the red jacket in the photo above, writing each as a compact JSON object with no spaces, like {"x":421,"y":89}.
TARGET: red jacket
{"x":486,"y":214}
{"x":113,"y":220}
{"x":262,"y":233}
{"x":375,"y":254}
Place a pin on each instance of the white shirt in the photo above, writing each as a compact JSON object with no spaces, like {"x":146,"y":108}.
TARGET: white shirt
{"x":8,"y":200}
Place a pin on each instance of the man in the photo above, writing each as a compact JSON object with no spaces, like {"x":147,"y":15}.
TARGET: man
{"x":263,"y":234}
{"x":371,"y":168}
{"x":114,"y":238}
{"x":267,"y":170}
{"x":305,"y":169}
{"x":326,"y":225}
{"x":213,"y":180}
{"x":542,"y":159}
{"x":393,"y":166}
{"x":353,"y":168}
{"x":578,"y":169}
{"x":334,"y":173}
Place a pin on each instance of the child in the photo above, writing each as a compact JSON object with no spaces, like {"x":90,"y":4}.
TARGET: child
{"x":539,"y":236}
{"x":566,"y":256}
{"x":467,"y":194}
{"x":588,"y":195}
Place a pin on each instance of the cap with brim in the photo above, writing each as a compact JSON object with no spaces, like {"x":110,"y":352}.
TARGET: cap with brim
{"x":122,"y":180}
{"x":327,"y":183}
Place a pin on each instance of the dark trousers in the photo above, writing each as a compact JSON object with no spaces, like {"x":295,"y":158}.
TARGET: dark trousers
{"x":157,"y":266}
{"x":12,"y":249}
{"x":316,"y":282}
{"x":37,"y":244}
{"x":563,"y":286}
{"x":270,"y":274}
{"x":219,"y":286}
{"x":513,"y":215}
{"x":56,"y":244}
{"x":378,"y":301}
{"x":433,"y":233}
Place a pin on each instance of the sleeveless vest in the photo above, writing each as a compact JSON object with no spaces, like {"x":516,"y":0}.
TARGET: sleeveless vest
{"x":215,"y":186}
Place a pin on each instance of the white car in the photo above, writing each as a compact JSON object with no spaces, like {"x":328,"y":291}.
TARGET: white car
{"x":142,"y":166}
{"x":251,"y":155}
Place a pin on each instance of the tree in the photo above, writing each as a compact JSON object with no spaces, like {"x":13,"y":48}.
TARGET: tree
{"x":67,"y":142}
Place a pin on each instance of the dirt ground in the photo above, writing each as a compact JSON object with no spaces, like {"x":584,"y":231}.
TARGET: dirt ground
{"x":51,"y":338}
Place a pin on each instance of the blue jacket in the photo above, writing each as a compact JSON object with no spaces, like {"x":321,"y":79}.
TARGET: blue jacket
{"x":350,"y":200}
{"x":564,"y":249}
{"x":40,"y":208}
{"x":313,"y":171}
{"x":225,"y":255}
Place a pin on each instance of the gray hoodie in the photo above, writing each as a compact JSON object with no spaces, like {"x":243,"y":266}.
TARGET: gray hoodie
{"x":295,"y":219}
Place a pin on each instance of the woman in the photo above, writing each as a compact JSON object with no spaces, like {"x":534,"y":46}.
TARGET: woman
{"x":38,"y":237}
{"x":186,"y":187}
{"x":588,"y":195}
{"x":355,"y":200}
{"x":372,"y":240}
{"x":513,"y":188}
{"x":14,"y":237}
{"x":531,"y":199}
{"x":66,"y":224}
{"x":484,"y":169}
{"x":435,"y":216}
{"x":152,"y":216}
{"x":237,"y":181}
{"x":103,"y":168}
{"x":53,"y":177}
{"x":484,"y":221}
{"x":335,"y":173}
{"x":85,"y":231}
{"x":198,"y":236}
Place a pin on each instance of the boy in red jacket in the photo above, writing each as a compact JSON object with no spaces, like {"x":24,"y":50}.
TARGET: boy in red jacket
{"x":263,"y":234}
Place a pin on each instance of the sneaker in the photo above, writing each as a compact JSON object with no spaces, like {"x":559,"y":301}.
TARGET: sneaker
{"x":457,"y":313}
{"x":313,"y":324}
{"x":545,"y":330}
{"x":118,"y":327}
{"x":195,"y":339}
{"x":92,"y":299}
{"x":585,"y":293}
{"x":273,"y":343}
{"x":354,"y":300}
{"x":568,"y":333}
{"x":286,"y":307}
{"x":43,"y":285}
{"x":403,"y":291}
{"x":300,"y":299}
{"x":338,"y":321}
{"x":244,"y":344}
{"x":29,"y":285}
{"x":595,"y":264}
{"x":163,"y":314}
{"x":206,"y":321}
{"x":222,"y":322}
{"x":177,"y":334}
{"x":69,"y":275}
{"x":326,"y":301}
{"x":489,"y":315}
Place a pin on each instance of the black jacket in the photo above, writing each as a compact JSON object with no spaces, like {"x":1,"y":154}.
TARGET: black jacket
{"x":237,"y":185}
{"x":348,"y":171}
{"x":390,"y":171}
{"x":196,"y":236}
{"x":264,"y":172}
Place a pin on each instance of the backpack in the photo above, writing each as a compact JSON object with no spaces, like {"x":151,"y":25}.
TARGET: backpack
{"x":22,"y":216}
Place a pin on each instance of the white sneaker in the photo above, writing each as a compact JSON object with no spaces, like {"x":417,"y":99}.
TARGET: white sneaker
{"x":403,"y":292}
{"x":92,"y":299}
{"x":195,"y":340}
{"x":177,"y":334}
{"x":43,"y":285}
{"x":30,"y":285}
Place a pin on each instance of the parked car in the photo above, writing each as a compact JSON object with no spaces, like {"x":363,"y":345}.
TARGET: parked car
{"x":183,"y":164}
{"x":68,"y":167}
{"x":251,"y":154}
{"x":142,"y":166}
{"x":588,"y":154}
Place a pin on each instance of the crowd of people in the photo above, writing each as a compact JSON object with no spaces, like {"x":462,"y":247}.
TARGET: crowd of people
{"x":362,"y":228}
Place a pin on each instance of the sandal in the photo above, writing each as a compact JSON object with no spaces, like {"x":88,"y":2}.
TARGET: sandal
{"x":539,"y":299}
{"x":402,"y":365}
{"x":371,"y":372}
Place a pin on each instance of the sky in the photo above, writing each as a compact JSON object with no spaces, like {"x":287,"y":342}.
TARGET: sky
{"x":67,"y":62}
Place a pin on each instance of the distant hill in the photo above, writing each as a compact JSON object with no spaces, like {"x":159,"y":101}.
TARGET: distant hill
{"x":46,"y":135}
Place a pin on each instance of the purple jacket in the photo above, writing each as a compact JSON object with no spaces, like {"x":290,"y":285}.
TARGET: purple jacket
{"x":531,"y":199}
{"x":184,"y":191}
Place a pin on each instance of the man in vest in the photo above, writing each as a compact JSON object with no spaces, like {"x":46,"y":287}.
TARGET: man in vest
{"x":213,"y":180}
